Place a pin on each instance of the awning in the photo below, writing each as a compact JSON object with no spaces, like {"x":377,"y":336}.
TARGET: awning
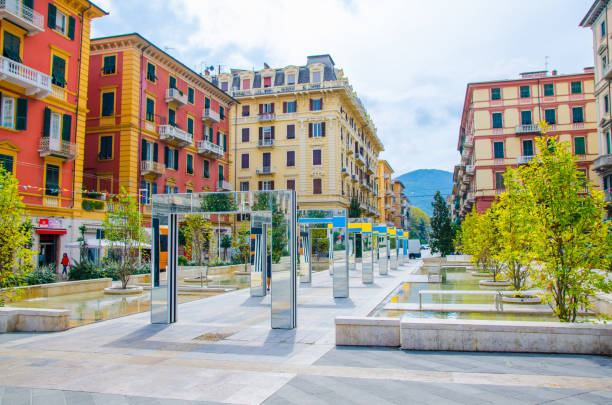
{"x":43,"y":231}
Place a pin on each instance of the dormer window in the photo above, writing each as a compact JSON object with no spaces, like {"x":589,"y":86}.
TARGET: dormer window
{"x":267,"y":81}
{"x":316,"y":77}
{"x":246,"y":84}
{"x":291,"y":78}
{"x":224,"y":86}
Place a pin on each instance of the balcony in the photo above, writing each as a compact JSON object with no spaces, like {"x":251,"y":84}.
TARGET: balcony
{"x":24,"y":16}
{"x":344,"y":172}
{"x":35,"y":83}
{"x":359,"y":159}
{"x":354,"y":178}
{"x":524,"y":160}
{"x":57,"y":147}
{"x":265,"y":117}
{"x":151,"y":167}
{"x":267,"y":142}
{"x":173,"y":134}
{"x":468,"y":143}
{"x":176,"y":97}
{"x":363,"y":183}
{"x":603,"y":164}
{"x":224,"y":185}
{"x":527,"y":129}
{"x":607,"y":72}
{"x":208,"y":115}
{"x":470,"y":169}
{"x":265,"y":170}
{"x":369,"y":169}
{"x":349,"y":151}
{"x":207,"y":148}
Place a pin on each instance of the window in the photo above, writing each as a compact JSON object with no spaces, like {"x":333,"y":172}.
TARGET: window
{"x":224,"y":143}
{"x":316,"y":77}
{"x":172,"y":82}
{"x":206,"y":102}
{"x":224,"y":86}
{"x":206,"y":169}
{"x":266,"y":108}
{"x":604,"y":62}
{"x":498,"y":149}
{"x":8,"y":112}
{"x":189,"y":163}
{"x":58,"y":71}
{"x":526,"y":118}
{"x":602,"y":29}
{"x":11,"y":47}
{"x":576,"y":87}
{"x":550,"y":115}
{"x":579,"y":145}
{"x":245,"y":161}
{"x":190,"y":125}
{"x":106,"y":147}
{"x":52,"y":180}
{"x":289,"y":106}
{"x":608,"y":143}
{"x":6,"y":162}
{"x":150,"y":115}
{"x":221,"y":113}
{"x":290,"y":184}
{"x":499,"y":181}
{"x":221,"y":176}
{"x":246,"y":84}
{"x":148,"y":151}
{"x":244,"y":186}
{"x":108,"y":104}
{"x":527,"y":147}
{"x":291,"y":79}
{"x":291,"y":131}
{"x":497,"y":119}
{"x":496,"y":94}
{"x":172,"y":117}
{"x":316,"y":104}
{"x":525,"y":92}
{"x":171,"y":158}
{"x":316,"y":186}
{"x":290,"y":158}
{"x":245,"y":134}
{"x":266,"y":185}
{"x":577,"y":115}
{"x":246,"y":110}
{"x":267,"y":81}
{"x":606,"y":104}
{"x":151,"y":72}
{"x":60,"y":22}
{"x":316,"y":157}
{"x":549,"y":89}
{"x":316,"y":130}
{"x":109,"y":65}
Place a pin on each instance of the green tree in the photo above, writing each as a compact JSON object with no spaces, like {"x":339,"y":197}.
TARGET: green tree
{"x":564,"y":216}
{"x":267,"y":202}
{"x":418,"y":224}
{"x":442,"y":233}
{"x":15,"y":235}
{"x":123,"y":229}
{"x":226,"y":243}
{"x":242,"y":243}
{"x":354,"y":209}
{"x":218,"y":202}
{"x":198,"y":235}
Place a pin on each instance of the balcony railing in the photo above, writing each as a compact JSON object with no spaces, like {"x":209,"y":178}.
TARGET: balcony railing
{"x":176,"y":96}
{"x":57,"y":147}
{"x":527,"y":129}
{"x":603,"y":164}
{"x":35,"y":83}
{"x":151,"y":167}
{"x":265,"y":117}
{"x":524,"y":160}
{"x":50,"y":201}
{"x":224,"y":185}
{"x":265,"y":142}
{"x":344,"y":171}
{"x":174,"y":134}
{"x":359,"y":159}
{"x":354,"y":178}
{"x":207,"y":148}
{"x":469,"y":170}
{"x":22,"y":15}
{"x":607,"y":72}
{"x":59,"y":93}
{"x":211,"y":116}
{"x":469,"y":142}
{"x":265,"y":170}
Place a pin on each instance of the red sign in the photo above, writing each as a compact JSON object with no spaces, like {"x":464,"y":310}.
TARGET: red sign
{"x":43,"y":223}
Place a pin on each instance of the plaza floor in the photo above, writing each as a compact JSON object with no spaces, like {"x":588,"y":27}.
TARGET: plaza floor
{"x":222,"y":350}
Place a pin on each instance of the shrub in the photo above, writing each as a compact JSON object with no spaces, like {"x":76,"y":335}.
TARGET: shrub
{"x":182,"y":261}
{"x":84,"y":270}
{"x":42,"y":275}
{"x":89,"y":205}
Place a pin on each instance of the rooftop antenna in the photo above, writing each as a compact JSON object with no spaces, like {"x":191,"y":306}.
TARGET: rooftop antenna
{"x":546,"y":58}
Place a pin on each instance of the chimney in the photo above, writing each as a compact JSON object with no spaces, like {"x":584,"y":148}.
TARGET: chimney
{"x":589,"y":69}
{"x":554,"y":73}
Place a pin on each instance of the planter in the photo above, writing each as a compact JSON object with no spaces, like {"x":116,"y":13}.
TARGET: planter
{"x":481,"y":274}
{"x":524,"y":299}
{"x":130,"y":290}
{"x":491,"y":283}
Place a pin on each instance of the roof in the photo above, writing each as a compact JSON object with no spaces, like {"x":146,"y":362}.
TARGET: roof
{"x":218,"y":91}
{"x":593,"y":13}
{"x":384,"y":162}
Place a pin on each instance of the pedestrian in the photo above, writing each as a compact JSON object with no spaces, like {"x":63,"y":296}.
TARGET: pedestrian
{"x":268,"y":270}
{"x":65,"y":263}
{"x":41,"y":258}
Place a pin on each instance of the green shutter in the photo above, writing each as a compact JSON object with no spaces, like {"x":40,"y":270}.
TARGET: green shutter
{"x":151,"y":72}
{"x":206,"y":169}
{"x":190,"y":126}
{"x":224,"y":143}
{"x":71,"y":27}
{"x":176,"y":159}
{"x":6,"y":162}
{"x":528,"y":148}
{"x":28,"y":3}
{"x":143,"y":149}
{"x":66,"y":127}
{"x":58,"y":73}
{"x":499,"y":150}
{"x":172,"y":83}
{"x":155,"y":152}
{"x":47,"y":122}
{"x":206,"y":102}
{"x":190,"y":95}
{"x":579,"y":145}
{"x":150,"y":110}
{"x":51,"y":16}
{"x":21,"y":121}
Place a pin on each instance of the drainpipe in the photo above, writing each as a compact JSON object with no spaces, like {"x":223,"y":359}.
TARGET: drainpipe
{"x":76,"y":124}
{"x":141,"y":85}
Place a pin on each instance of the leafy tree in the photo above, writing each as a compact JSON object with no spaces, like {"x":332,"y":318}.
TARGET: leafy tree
{"x":82,"y":243}
{"x":320,"y":242}
{"x":569,"y":238}
{"x":354,"y":208}
{"x":242,"y":243}
{"x":218,"y":202}
{"x":418,"y":224}
{"x":226,"y":243}
{"x":123,"y":229}
{"x":267,"y":202}
{"x":442,"y":235}
{"x":198,"y":236}
{"x":15,"y":234}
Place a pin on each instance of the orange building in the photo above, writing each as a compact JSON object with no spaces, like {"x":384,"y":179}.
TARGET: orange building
{"x":43,"y":97}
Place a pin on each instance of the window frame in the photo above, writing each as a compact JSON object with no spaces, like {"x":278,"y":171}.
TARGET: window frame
{"x":503,"y":151}
{"x":190,"y":95}
{"x":552,"y":87}
{"x":320,"y":186}
{"x":187,"y":156}
{"x":154,"y":79}
{"x":581,"y":113}
{"x":584,"y":145}
{"x":554,"y":110}
{"x":320,"y":152}
{"x":114,"y":110}
{"x":521,"y":91}
{"x":244,"y":166}
{"x":112,"y":147}
{"x":499,"y":95}
{"x":579,"y":83}
{"x":114,"y":72}
{"x":530,"y":117}
{"x":147,"y":98}
{"x":493,"y":124}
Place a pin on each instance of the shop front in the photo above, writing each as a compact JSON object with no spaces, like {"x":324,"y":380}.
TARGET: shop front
{"x":49,"y":231}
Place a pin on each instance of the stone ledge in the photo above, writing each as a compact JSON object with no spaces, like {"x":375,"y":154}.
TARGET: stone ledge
{"x":33,"y":319}
{"x":362,"y":331}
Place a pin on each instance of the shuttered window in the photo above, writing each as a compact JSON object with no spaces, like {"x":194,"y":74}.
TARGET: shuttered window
{"x":528,"y":147}
{"x":316,"y":157}
{"x":206,"y":169}
{"x":526,"y":118}
{"x":189,"y":164}
{"x":108,"y":104}
{"x":498,"y":148}
{"x":499,"y":181}
{"x":106,"y":147}
{"x":151,"y":72}
{"x":497,"y":120}
{"x":550,"y":116}
{"x":316,"y":186}
{"x":244,"y":161}
{"x":525,"y":91}
{"x":290,"y":158}
{"x":577,"y":115}
{"x":246,"y":110}
{"x":245,"y":134}
{"x":150,"y":115}
{"x":58,"y":71}
{"x":109,"y":66}
{"x":496,"y":94}
{"x":190,"y":125}
{"x":11,"y":46}
{"x":221,"y":113}
{"x":244,"y":186}
{"x":7,"y":162}
{"x":52,"y":180}
{"x":290,"y":184}
{"x":579,"y":145}
{"x":190,"y":95}
{"x":549,"y":89}
{"x":576,"y":87}
{"x":172,"y":82}
{"x":291,"y":131}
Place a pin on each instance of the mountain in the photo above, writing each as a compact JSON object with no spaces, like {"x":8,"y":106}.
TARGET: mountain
{"x":421,"y":186}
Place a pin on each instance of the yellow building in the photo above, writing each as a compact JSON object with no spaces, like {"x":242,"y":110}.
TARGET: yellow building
{"x":597,"y":19}
{"x":385,"y":192}
{"x":400,"y":211}
{"x":303,"y":128}
{"x":499,"y":124}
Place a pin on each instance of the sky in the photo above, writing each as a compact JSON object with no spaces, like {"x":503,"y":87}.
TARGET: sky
{"x":409,"y":60}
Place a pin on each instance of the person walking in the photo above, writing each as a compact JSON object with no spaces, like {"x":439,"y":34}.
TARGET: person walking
{"x":65,"y":263}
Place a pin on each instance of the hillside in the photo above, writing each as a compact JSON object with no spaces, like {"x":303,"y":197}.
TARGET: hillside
{"x":422,"y":184}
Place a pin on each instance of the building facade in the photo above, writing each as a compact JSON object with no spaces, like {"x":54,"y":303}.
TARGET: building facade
{"x":500,"y":123}
{"x":597,"y":19}
{"x":154,"y":126}
{"x":385,"y":192}
{"x":43,"y":102}
{"x":303,"y":128}
{"x":400,"y":211}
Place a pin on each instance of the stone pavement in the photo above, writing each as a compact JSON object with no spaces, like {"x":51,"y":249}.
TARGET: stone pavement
{"x":222,"y":350}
